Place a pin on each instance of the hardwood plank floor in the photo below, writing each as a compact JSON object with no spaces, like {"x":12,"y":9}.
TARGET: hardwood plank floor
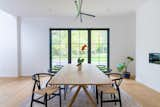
{"x":146,"y":96}
{"x":13,"y":91}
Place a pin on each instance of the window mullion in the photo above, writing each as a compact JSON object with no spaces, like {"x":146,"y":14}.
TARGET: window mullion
{"x":89,"y":46}
{"x":50,"y":50}
{"x":69,"y":46}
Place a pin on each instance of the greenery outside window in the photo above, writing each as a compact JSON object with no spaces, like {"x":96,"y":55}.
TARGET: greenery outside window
{"x":65,"y":45}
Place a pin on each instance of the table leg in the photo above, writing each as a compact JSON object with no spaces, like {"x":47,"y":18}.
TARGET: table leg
{"x":74,"y":97}
{"x":89,"y":96}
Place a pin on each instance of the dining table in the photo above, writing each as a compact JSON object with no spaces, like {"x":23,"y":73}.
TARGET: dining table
{"x":88,"y":75}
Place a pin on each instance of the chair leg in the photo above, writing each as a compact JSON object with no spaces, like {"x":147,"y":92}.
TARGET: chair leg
{"x":119,"y":94}
{"x":45,"y":99}
{"x":60,"y":102}
{"x":32,"y":100}
{"x":115,"y":99}
{"x":111,"y":96}
{"x":97,"y":95}
{"x":65,"y":91}
{"x":101,"y":99}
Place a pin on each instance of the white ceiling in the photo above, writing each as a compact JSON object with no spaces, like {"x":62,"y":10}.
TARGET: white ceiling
{"x":67,"y":7}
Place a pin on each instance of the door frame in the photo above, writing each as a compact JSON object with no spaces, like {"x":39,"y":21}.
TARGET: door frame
{"x":69,"y":43}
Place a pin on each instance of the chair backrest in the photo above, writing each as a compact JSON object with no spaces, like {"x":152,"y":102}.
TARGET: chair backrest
{"x":117,"y":78}
{"x":104,"y":68}
{"x":55,"y":69}
{"x":41,"y":80}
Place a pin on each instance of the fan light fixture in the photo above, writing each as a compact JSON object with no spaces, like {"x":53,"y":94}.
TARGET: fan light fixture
{"x":78,"y":4}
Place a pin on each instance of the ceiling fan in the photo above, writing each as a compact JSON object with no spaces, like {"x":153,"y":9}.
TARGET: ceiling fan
{"x":78,"y":4}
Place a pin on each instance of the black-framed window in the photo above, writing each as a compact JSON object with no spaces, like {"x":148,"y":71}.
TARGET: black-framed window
{"x":59,"y":47}
{"x":78,"y":39}
{"x":66,"y":43}
{"x":99,"y":47}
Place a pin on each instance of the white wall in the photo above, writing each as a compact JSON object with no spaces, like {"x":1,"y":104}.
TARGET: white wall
{"x":8,"y":45}
{"x":35,"y":38}
{"x":148,"y":40}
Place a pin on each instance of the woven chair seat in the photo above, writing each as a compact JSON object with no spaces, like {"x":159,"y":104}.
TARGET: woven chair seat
{"x":107,"y":89}
{"x":49,"y":90}
{"x":114,"y":77}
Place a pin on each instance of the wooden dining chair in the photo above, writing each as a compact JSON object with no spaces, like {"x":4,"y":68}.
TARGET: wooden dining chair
{"x":54,"y":70}
{"x":42,"y":90}
{"x":112,"y":89}
{"x":104,"y":68}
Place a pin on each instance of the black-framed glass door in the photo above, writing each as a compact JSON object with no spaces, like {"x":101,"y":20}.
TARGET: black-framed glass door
{"x":78,"y":39}
{"x":59,"y":47}
{"x":65,"y":46}
{"x":99,"y":47}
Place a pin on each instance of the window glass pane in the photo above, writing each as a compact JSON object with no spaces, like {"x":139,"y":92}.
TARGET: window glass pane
{"x":56,"y":60}
{"x":94,"y":37}
{"x":99,"y":47}
{"x":78,"y":39}
{"x":59,"y":47}
{"x":55,"y":38}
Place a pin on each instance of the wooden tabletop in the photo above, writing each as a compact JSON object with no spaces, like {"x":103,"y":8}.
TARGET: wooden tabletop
{"x":89,"y":75}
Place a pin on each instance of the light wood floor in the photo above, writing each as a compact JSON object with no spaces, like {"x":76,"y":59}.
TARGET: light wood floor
{"x":13,"y":91}
{"x":147,"y":97}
